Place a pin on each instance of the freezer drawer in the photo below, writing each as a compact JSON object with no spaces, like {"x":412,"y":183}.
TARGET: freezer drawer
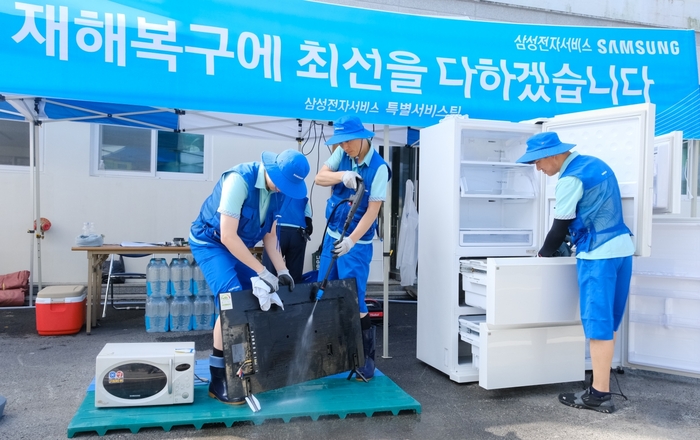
{"x":530,"y":356}
{"x":522,"y":291}
{"x":469,"y":333}
{"x":531,"y":291}
{"x":469,"y":328}
{"x":473,"y":273}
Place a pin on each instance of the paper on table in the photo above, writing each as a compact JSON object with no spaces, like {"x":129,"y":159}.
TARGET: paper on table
{"x":139,"y":244}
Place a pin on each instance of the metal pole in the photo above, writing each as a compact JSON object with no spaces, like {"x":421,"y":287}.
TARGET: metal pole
{"x":39,"y":233}
{"x":387,"y":248}
{"x":33,"y":175}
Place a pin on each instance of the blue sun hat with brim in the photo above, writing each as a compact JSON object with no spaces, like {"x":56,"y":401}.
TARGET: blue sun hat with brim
{"x":348,"y":128}
{"x":287,"y":171}
{"x":544,"y":145}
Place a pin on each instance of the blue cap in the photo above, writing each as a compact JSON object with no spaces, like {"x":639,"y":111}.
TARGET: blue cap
{"x":544,"y":145}
{"x":287,"y":171}
{"x":348,"y":128}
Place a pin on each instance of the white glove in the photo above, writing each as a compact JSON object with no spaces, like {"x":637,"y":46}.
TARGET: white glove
{"x":270,"y":280}
{"x":350,"y":179}
{"x":343,"y":247}
{"x":262,"y":290}
{"x":285,"y":279}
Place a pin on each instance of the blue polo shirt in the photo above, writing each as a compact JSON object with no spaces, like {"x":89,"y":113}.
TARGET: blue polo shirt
{"x":234,"y":191}
{"x":378,"y":188}
{"x":378,"y":185}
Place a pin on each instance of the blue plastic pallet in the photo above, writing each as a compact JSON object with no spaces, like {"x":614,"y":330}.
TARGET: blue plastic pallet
{"x":332,"y":395}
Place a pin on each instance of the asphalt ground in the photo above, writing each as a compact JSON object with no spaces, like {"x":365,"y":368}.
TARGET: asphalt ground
{"x":44,"y":379}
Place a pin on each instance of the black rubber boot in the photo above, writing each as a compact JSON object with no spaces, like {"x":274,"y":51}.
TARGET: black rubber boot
{"x":368,"y":343}
{"x":217,"y":384}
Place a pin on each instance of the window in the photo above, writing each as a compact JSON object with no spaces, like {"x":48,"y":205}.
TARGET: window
{"x":129,"y":151}
{"x":124,"y":149}
{"x":14,"y":144}
{"x":180,"y":152}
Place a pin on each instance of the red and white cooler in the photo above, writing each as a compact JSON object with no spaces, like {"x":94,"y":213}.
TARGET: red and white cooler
{"x":60,"y":310}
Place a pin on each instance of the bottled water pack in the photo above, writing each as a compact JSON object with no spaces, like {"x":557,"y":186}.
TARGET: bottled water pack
{"x":157,"y":312}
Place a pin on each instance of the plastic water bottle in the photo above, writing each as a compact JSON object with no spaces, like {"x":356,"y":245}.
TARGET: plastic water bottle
{"x":186,"y":281}
{"x":88,"y":228}
{"x":204,"y":308}
{"x":199,"y":284}
{"x":157,"y":277}
{"x":157,"y":312}
{"x":180,"y":314}
{"x":180,"y":277}
{"x":164,"y":270}
{"x":203,"y":313}
{"x":175,"y":276}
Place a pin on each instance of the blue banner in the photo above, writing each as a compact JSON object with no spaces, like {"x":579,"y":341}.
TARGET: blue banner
{"x":293,"y":58}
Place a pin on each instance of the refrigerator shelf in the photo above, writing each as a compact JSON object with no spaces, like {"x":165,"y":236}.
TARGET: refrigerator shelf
{"x":495,"y":237}
{"x":665,"y":275}
{"x":504,"y":179}
{"x":498,"y":196}
{"x":500,"y":165}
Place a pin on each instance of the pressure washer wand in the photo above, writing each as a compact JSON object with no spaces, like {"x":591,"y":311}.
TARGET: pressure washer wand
{"x":359,"y":192}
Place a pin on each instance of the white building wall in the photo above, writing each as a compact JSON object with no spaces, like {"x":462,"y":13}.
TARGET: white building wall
{"x":682,"y":14}
{"x":677,"y":14}
{"x":122,"y":208}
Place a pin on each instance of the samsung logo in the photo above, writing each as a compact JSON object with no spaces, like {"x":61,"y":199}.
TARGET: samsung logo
{"x":638,"y":47}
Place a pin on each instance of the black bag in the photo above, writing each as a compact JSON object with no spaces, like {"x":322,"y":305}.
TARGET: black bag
{"x":117,"y":266}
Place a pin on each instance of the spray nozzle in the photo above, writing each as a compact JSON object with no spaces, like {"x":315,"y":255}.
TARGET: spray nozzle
{"x":319,"y":292}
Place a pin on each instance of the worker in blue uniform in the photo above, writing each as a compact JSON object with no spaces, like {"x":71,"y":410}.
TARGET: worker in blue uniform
{"x":588,"y":207}
{"x":240,"y":212}
{"x":355,"y":158}
{"x":295,"y":227}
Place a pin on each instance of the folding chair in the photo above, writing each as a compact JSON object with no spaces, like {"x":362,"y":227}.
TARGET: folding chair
{"x":109,"y":291}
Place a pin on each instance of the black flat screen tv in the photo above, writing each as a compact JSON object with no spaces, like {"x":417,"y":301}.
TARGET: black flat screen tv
{"x":266,"y":350}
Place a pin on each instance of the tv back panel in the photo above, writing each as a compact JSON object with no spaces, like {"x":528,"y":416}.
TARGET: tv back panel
{"x":266,"y":350}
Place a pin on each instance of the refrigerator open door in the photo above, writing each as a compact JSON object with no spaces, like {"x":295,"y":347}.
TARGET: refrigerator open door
{"x":662,"y":322}
{"x":668,"y":151}
{"x":623,"y":137}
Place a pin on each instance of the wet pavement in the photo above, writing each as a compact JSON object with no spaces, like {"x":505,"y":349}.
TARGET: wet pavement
{"x":44,"y":379}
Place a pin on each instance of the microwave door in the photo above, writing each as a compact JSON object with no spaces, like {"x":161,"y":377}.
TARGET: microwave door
{"x":134,"y":381}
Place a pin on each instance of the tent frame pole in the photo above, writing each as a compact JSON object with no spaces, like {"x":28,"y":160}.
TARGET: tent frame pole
{"x":38,"y":230}
{"x":36,"y":212}
{"x":387,"y":250}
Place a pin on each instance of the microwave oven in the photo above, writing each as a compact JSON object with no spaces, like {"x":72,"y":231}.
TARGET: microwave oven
{"x":143,"y":374}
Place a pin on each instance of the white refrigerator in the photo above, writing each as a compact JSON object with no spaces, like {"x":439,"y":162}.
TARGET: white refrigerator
{"x":488,"y":309}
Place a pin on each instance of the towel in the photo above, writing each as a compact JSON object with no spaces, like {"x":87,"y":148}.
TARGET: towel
{"x":89,"y":240}
{"x":262,"y":291}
